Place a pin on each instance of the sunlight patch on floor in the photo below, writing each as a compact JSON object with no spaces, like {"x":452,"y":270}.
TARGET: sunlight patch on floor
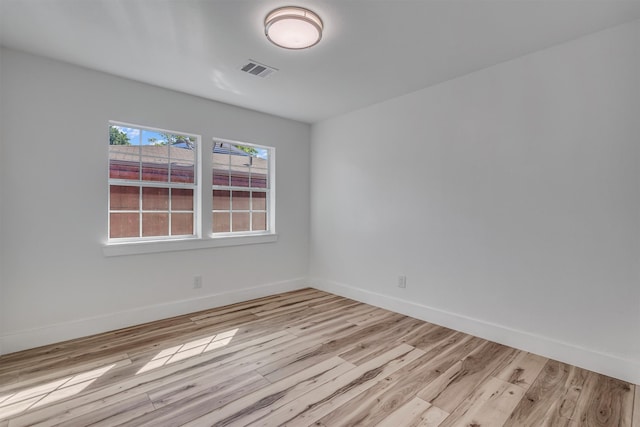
{"x":190,"y":349}
{"x":34,"y":397}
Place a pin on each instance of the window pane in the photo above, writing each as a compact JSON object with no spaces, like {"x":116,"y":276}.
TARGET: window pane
{"x":221,"y":222}
{"x":259,"y":200}
{"x":182,"y":154}
{"x":261,"y":155}
{"x":155,"y":169}
{"x":183,"y":150}
{"x":155,"y":199}
{"x":122,"y":136}
{"x":124,"y":225}
{"x":124,"y":198}
{"x":181,"y":199}
{"x":155,"y":224}
{"x":161,"y":151}
{"x":124,"y":165}
{"x":155,"y":143}
{"x":240,"y":200}
{"x":181,"y":224}
{"x":221,"y":175}
{"x":182,"y":171}
{"x":239,"y":158}
{"x":259,"y":178}
{"x":240,"y":177}
{"x":221,"y":200}
{"x":240,"y":221}
{"x":220,"y":153}
{"x":259,"y":221}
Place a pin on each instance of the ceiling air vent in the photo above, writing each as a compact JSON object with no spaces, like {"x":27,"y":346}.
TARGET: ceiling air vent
{"x":258,"y":69}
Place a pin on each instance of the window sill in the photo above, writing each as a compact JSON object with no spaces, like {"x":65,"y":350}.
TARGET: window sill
{"x":135,"y":248}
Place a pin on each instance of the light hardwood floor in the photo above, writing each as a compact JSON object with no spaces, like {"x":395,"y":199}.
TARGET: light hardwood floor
{"x":299,"y":359}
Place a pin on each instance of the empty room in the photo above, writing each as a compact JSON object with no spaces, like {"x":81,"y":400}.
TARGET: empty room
{"x":320,"y":213}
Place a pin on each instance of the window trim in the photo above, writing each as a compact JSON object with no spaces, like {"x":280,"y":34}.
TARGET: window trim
{"x":149,"y":247}
{"x":202,"y":209}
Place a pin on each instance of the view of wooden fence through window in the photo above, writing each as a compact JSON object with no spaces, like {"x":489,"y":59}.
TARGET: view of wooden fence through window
{"x":153,"y":191}
{"x":240,"y":187}
{"x":151,"y":183}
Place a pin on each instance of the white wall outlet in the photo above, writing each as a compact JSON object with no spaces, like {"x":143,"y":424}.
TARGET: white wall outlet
{"x":402,"y":282}
{"x":197,"y":282}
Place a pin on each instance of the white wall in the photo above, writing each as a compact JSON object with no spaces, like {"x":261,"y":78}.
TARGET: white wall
{"x":57,"y":283}
{"x":509,"y":197}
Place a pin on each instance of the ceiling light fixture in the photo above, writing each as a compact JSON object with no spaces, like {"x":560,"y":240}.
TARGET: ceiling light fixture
{"x":293,"y":27}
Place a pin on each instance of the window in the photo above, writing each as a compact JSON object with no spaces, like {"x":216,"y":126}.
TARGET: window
{"x":241,"y":187}
{"x":152,"y":183}
{"x":162,"y":199}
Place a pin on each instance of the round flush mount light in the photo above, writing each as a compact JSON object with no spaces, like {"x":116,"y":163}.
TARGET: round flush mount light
{"x":293,"y":27}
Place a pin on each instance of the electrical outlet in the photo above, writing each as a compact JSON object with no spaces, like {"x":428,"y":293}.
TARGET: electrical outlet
{"x":197,"y":282}
{"x":402,"y":282}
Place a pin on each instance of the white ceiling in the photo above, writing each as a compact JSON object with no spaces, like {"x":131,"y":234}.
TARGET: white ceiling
{"x":372,"y":50}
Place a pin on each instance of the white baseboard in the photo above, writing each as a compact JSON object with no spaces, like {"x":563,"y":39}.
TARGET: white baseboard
{"x":607,"y":364}
{"x":22,"y":340}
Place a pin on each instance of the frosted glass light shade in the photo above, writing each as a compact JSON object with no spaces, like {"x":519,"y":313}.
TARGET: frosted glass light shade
{"x":293,"y":27}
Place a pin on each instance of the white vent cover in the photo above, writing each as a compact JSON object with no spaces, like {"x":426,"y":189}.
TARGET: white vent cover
{"x":257,"y":69}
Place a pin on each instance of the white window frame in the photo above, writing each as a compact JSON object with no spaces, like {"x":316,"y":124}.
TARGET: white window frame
{"x":203,"y":225}
{"x":270,"y":192}
{"x":139,"y":183}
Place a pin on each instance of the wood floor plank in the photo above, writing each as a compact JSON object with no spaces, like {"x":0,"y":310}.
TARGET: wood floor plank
{"x":312,"y":406}
{"x":297,"y":361}
{"x":306,"y":326}
{"x":186,"y":409}
{"x":332,"y":305}
{"x":457,"y":382}
{"x":258,"y":404}
{"x":8,"y":379}
{"x":415,"y":413}
{"x":387,"y":335}
{"x":314,"y":319}
{"x":604,"y":401}
{"x":426,"y":336}
{"x":116,"y":414}
{"x":359,"y":409}
{"x":490,"y":404}
{"x":408,"y":414}
{"x":522,"y":370}
{"x":545,"y":399}
{"x":290,"y":304}
{"x":432,"y":417}
{"x":206,"y":383}
{"x":301,"y":358}
{"x":327,"y":312}
{"x":372,"y":406}
{"x":373,"y":316}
